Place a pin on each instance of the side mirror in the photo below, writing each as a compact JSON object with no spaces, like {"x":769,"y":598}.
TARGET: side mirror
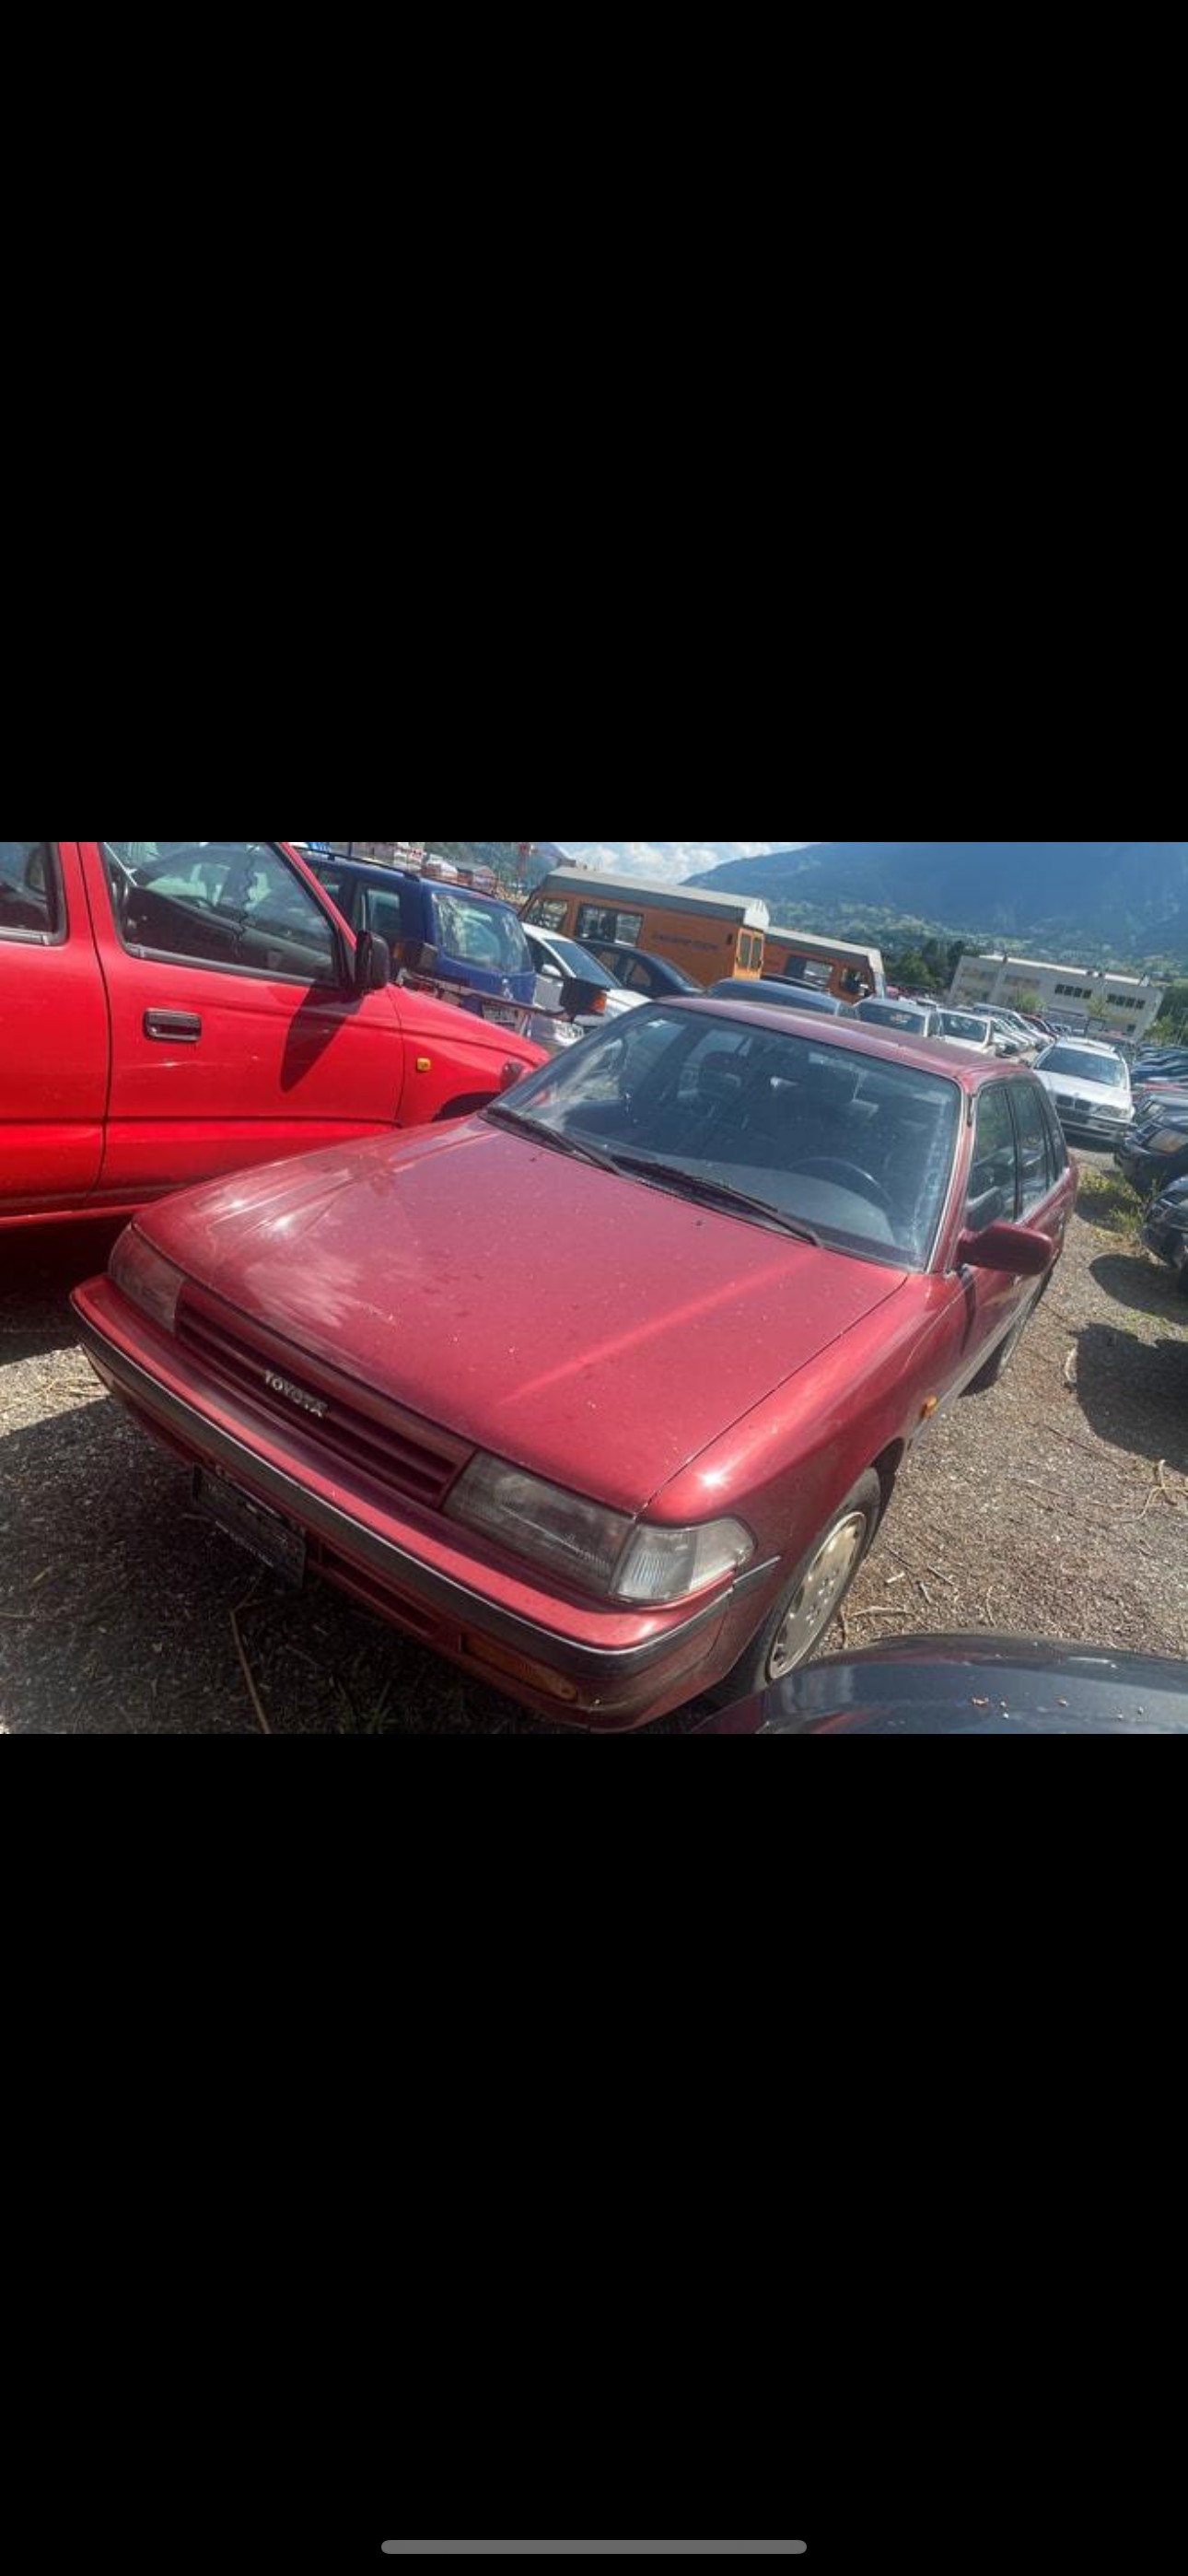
{"x":581,"y":999}
{"x":416,"y":957}
{"x":1020,"y":1250}
{"x":373,"y":963}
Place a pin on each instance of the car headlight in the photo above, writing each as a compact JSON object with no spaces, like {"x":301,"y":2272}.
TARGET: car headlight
{"x":602,"y":1551}
{"x":145,"y":1277}
{"x":1166,"y":1140}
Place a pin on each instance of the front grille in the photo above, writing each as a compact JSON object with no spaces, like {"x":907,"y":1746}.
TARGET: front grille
{"x":377,"y":1443}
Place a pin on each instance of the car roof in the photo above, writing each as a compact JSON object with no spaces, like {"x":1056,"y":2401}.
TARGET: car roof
{"x":728,"y":986}
{"x":1088,"y":1046}
{"x":375,"y":870}
{"x":863,"y":1037}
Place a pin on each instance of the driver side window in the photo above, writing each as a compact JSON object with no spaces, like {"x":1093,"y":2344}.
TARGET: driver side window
{"x":994,"y":1178}
{"x":236,"y":904}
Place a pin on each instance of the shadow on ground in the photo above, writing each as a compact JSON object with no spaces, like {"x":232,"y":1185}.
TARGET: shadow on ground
{"x":1134,"y":1394}
{"x":1133,"y":1280}
{"x":37,"y":1272}
{"x":116,"y":1602}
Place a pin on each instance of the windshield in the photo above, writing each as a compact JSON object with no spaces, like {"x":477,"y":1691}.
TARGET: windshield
{"x":578,"y":961}
{"x":956,"y":1025}
{"x":858,"y":1150}
{"x":1077,"y":1065}
{"x":481,"y":934}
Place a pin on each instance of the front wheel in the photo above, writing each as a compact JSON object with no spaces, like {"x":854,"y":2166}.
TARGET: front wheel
{"x":811,"y":1598}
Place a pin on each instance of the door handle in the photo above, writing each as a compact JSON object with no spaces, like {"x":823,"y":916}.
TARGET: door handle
{"x":173,"y":1028}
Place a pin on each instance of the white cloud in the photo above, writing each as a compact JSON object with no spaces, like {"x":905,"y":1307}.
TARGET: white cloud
{"x":668,"y":861}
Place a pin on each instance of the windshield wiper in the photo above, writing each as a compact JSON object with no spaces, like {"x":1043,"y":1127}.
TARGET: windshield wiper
{"x":699,"y":1185}
{"x":550,"y":1136}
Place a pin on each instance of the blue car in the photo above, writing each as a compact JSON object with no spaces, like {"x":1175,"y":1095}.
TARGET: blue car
{"x":478,"y":940}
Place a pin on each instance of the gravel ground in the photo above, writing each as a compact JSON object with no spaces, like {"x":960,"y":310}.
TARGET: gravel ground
{"x":1055,"y":1505}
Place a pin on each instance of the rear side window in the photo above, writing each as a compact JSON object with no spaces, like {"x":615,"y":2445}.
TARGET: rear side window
{"x":385,"y":916}
{"x":1057,"y":1148}
{"x":1035,"y":1165}
{"x":336,"y":887}
{"x":993,"y":1181}
{"x":637,"y":975}
{"x":31,"y":906}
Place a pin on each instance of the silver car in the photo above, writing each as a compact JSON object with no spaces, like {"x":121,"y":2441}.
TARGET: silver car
{"x":1090,"y":1089}
{"x":966,"y":1030}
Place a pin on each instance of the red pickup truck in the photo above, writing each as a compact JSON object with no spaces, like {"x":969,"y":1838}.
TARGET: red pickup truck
{"x":172,"y":1010}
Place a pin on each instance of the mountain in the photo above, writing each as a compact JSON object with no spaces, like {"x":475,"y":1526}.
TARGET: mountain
{"x":1130,"y":897}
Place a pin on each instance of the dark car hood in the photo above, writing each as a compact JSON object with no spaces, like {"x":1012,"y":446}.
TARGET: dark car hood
{"x":978,"y":1685}
{"x":599,"y":1331}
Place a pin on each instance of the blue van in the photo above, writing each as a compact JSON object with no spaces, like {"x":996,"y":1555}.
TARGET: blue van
{"x":478,"y":939}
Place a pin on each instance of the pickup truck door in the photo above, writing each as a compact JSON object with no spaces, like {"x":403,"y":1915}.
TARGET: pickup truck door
{"x":53,"y":1032}
{"x":236,"y":1034}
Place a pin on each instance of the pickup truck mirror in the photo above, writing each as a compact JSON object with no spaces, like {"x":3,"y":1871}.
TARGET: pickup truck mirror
{"x":416,"y":957}
{"x":1021,"y":1250}
{"x":373,"y":963}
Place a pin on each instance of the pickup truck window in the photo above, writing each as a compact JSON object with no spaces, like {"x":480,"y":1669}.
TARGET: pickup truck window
{"x":31,"y":904}
{"x":234,"y":904}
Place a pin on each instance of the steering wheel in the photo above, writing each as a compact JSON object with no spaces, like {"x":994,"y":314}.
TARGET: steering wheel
{"x":828,"y":1168}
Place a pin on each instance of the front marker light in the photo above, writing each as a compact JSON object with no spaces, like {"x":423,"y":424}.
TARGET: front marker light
{"x":146,"y":1278}
{"x":599,"y":1550}
{"x":670,"y":1564}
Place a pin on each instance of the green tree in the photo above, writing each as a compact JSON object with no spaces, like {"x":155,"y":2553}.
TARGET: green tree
{"x":1173,"y":1014}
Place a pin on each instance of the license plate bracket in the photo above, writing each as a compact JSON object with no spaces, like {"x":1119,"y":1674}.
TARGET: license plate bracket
{"x":265,"y":1534}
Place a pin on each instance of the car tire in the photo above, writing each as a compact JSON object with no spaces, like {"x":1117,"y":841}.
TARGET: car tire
{"x":797,"y":1622}
{"x":1001,"y":1360}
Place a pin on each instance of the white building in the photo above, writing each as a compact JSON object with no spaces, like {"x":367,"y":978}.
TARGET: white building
{"x":1067,"y":994}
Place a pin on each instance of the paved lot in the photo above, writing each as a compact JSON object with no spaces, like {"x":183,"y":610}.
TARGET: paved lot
{"x":1057,"y":1505}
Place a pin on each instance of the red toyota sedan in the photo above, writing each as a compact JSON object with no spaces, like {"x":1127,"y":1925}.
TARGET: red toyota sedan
{"x":602,"y":1392}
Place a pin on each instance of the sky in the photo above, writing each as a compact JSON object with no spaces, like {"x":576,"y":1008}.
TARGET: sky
{"x":666,"y":862}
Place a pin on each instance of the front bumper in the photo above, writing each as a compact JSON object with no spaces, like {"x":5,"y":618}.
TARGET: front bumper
{"x":1078,"y":1120}
{"x":599,"y":1665}
{"x":1145,"y":1172}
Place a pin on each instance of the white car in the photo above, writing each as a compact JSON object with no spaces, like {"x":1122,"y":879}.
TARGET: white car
{"x":964,"y":1029}
{"x":1089,"y":1086}
{"x":565,"y":960}
{"x":1016,"y":1039}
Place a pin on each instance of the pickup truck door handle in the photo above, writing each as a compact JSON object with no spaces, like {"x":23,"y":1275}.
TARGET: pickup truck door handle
{"x":173,"y":1028}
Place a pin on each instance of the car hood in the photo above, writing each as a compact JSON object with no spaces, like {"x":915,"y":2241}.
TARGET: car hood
{"x":1096,"y":1095}
{"x":598,"y":1330}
